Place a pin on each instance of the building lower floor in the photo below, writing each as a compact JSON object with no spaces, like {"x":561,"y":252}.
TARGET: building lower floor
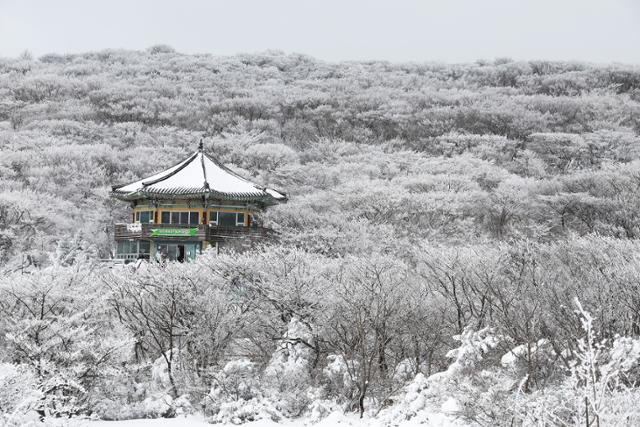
{"x":158,"y":250}
{"x":182,"y":242}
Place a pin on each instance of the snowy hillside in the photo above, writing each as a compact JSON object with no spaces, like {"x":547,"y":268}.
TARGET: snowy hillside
{"x":459,"y":246}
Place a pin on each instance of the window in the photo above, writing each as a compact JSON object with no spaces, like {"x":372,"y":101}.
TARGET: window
{"x":177,"y":252}
{"x":161,"y":251}
{"x":145,"y":217}
{"x":132,"y":249}
{"x":213,"y":218}
{"x":193,"y":218}
{"x":227,"y":219}
{"x":184,"y":217}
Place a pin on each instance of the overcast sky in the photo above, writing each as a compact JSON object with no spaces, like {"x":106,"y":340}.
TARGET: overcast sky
{"x":395,"y":30}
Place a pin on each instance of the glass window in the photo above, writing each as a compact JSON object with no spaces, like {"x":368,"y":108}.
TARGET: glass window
{"x":184,"y":217}
{"x":240,"y":219}
{"x":137,"y":216}
{"x":227,"y":219}
{"x":162,"y":250}
{"x":175,"y":217}
{"x":165,"y":218}
{"x":144,"y":247}
{"x":213,"y":218}
{"x":193,"y":218}
{"x":144,"y":217}
{"x":128,"y":249}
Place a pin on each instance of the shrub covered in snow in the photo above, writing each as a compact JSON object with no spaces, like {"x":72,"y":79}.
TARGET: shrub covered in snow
{"x":492,"y":390}
{"x":453,"y":393}
{"x":287,"y":377}
{"x":61,"y":333}
{"x":420,"y":403}
{"x":339,"y":377}
{"x":236,"y":396}
{"x":19,"y":395}
{"x":238,"y":380}
{"x":283,"y":389}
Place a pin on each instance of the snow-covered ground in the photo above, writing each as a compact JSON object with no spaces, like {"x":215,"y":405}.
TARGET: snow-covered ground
{"x":191,"y":420}
{"x":335,"y":419}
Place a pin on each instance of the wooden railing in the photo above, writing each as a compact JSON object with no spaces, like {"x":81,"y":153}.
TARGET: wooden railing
{"x":217,"y":231}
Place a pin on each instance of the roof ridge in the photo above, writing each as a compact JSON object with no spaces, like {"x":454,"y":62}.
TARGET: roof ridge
{"x":204,"y":171}
{"x":229,"y":171}
{"x":172,"y":173}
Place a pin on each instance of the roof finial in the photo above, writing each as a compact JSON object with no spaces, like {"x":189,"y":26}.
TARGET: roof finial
{"x":200,"y":146}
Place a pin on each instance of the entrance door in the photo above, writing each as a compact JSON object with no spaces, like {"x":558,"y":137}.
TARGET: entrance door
{"x":182,"y":252}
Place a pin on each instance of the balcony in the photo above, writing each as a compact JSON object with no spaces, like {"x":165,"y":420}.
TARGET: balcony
{"x":189,"y":233}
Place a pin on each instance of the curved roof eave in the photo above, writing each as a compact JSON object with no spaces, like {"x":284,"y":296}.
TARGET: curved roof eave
{"x":135,"y":195}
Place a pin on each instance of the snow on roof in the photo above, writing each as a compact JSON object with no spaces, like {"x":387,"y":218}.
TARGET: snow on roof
{"x":198,"y":175}
{"x":275,"y":194}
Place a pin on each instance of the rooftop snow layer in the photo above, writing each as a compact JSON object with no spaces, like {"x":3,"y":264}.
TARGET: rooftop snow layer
{"x":198,"y":175}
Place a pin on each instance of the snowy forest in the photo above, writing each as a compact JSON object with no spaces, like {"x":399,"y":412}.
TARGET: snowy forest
{"x":460,"y":244}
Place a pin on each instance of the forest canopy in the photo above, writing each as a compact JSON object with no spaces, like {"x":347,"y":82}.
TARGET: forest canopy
{"x":490,"y":150}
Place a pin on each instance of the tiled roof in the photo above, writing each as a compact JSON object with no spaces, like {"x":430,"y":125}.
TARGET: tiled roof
{"x":198,"y":175}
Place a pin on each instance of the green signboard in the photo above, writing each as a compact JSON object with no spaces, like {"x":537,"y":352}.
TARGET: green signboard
{"x":173,"y":232}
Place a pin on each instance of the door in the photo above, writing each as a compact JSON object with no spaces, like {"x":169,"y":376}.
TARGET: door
{"x":182,"y":252}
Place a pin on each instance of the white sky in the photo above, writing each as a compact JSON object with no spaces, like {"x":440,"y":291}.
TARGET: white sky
{"x":395,"y":30}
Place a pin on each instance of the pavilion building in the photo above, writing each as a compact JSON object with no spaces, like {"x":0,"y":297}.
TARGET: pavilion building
{"x":179,"y":212}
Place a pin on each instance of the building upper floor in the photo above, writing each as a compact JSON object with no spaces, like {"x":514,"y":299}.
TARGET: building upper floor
{"x":187,"y":214}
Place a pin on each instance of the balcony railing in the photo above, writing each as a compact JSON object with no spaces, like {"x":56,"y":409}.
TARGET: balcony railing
{"x":186,"y":232}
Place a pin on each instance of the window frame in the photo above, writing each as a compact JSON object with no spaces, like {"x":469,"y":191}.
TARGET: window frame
{"x":197,"y":216}
{"x":133,"y":249}
{"x":238,"y":214}
{"x":211,"y":216}
{"x":137,"y":218}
